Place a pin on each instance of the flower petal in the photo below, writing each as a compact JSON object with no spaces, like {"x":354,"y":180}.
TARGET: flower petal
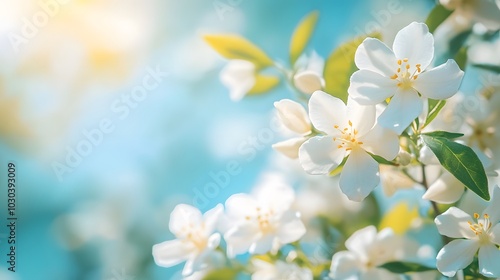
{"x":211,"y":218}
{"x":404,"y":107}
{"x":345,"y":265}
{"x":240,"y":205}
{"x":495,"y":234}
{"x":370,"y":88}
{"x":441,"y":82}
{"x":240,"y":238}
{"x":456,"y":255}
{"x":493,"y":209}
{"x":375,"y":56}
{"x":446,"y":189}
{"x":381,"y":141}
{"x":325,"y":111}
{"x":291,"y":228}
{"x":182,"y":216}
{"x":239,"y":77}
{"x":361,"y":240}
{"x":320,"y":155}
{"x":262,"y":245}
{"x":362,"y":117}
{"x":308,"y":81}
{"x":170,"y":253}
{"x":454,"y":223}
{"x":416,"y":43}
{"x":489,"y":260}
{"x":358,"y":185}
{"x":293,"y":116}
{"x":290,"y":147}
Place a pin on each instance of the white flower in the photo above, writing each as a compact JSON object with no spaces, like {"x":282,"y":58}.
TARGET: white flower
{"x":261,"y":222}
{"x":367,"y":249}
{"x":350,"y":132}
{"x":196,"y":239}
{"x":239,"y":77}
{"x":483,"y":234}
{"x":279,"y":270}
{"x":485,"y":12}
{"x":294,"y":117}
{"x":308,"y":77}
{"x":392,"y":180}
{"x":402,"y":73}
{"x":446,"y":189}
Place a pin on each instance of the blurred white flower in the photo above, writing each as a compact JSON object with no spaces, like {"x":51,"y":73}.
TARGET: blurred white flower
{"x":392,"y":179}
{"x":351,"y":131}
{"x":261,"y":222}
{"x":483,"y":234}
{"x":196,"y":239}
{"x":279,"y":270}
{"x":446,"y":189}
{"x":402,"y":74}
{"x":308,"y":77}
{"x":485,"y":12}
{"x":294,"y":117}
{"x":484,"y":52}
{"x":239,"y":77}
{"x":367,"y":249}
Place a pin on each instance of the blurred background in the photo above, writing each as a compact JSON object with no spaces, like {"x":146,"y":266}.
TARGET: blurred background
{"x":113,"y":112}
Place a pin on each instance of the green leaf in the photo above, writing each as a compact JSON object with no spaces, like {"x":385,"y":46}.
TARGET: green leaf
{"x":221,"y":274}
{"x":233,"y":46}
{"x":382,"y":160}
{"x":436,"y":17}
{"x":405,"y":267}
{"x":462,"y":162}
{"x":444,"y":134}
{"x":302,"y":35}
{"x":489,"y":67}
{"x":435,"y":107}
{"x":263,"y":84}
{"x":340,"y":65}
{"x":339,"y":168}
{"x":461,"y":58}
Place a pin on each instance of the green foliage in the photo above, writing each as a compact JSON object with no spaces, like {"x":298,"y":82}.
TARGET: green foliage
{"x":444,"y":134}
{"x":405,"y":267}
{"x":488,"y":67}
{"x":302,"y":35}
{"x":435,"y":107}
{"x":222,"y":274}
{"x":437,"y":16}
{"x":461,"y":162}
{"x":340,"y":66}
{"x":263,"y":84}
{"x":233,"y":46}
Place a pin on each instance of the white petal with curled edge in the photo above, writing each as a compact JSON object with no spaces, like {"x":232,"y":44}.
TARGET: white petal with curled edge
{"x":361,"y":240}
{"x":320,"y":155}
{"x":240,"y":238}
{"x":308,"y":81}
{"x":416,"y":43}
{"x":290,"y":147}
{"x":182,"y":216}
{"x":381,"y":141}
{"x":293,"y":116}
{"x":345,"y":265}
{"x":325,"y":111}
{"x":441,"y":82}
{"x":362,"y":117}
{"x":291,"y":228}
{"x":375,"y":56}
{"x":446,"y":189}
{"x":370,"y":88}
{"x":454,"y":223}
{"x":170,"y":253}
{"x":456,"y":255}
{"x":359,"y":176}
{"x":489,"y":260}
{"x":493,"y":209}
{"x":211,"y":218}
{"x":404,"y":107}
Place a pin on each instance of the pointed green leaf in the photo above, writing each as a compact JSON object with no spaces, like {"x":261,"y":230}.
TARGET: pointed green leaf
{"x":437,"y":16}
{"x":405,"y":267}
{"x":382,"y":160}
{"x":489,"y":67}
{"x":302,"y":35}
{"x":435,"y":107}
{"x":233,"y":46}
{"x":444,"y":134}
{"x":461,"y":162}
{"x":263,"y":84}
{"x":340,"y":65}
